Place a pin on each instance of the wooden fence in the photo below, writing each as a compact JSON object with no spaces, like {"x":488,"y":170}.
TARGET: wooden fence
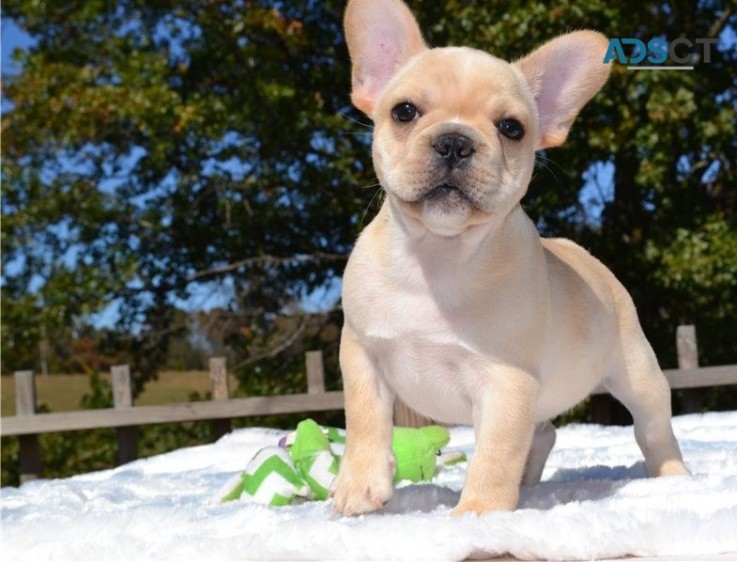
{"x":126,"y":417}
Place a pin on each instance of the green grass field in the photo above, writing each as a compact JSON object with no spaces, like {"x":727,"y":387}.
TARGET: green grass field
{"x":63,"y":393}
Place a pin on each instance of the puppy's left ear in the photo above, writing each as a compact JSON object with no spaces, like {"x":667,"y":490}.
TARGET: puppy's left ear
{"x":563,"y":75}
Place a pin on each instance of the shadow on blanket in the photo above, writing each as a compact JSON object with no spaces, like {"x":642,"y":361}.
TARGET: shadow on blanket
{"x":565,"y":486}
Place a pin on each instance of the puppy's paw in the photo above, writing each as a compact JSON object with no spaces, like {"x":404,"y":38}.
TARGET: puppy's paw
{"x":480,"y":505}
{"x":464,"y":507}
{"x":673,"y":467}
{"x":361,"y":487}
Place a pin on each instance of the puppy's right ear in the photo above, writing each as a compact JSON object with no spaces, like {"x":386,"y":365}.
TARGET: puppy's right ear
{"x":381,"y":35}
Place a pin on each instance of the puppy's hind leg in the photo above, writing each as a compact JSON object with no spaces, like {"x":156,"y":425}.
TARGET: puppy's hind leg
{"x":641,"y":386}
{"x":542,"y":443}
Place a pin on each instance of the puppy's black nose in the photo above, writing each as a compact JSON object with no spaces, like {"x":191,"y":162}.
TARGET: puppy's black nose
{"x":455,"y":149}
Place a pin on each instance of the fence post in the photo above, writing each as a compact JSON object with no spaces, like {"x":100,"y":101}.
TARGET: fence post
{"x":122,"y":399}
{"x":688,"y":358}
{"x":404,"y":416}
{"x":315,"y":372}
{"x":25,"y":405}
{"x":600,"y":406}
{"x":220,"y":391}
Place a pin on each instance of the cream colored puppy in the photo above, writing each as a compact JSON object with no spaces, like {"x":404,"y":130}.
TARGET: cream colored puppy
{"x":452,"y":301}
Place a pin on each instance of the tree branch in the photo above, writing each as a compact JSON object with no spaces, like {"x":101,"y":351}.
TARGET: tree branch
{"x":264,"y":260}
{"x":284,"y":344}
{"x":718,"y":25}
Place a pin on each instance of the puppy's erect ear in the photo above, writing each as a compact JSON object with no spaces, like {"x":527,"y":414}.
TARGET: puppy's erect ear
{"x":382,"y":35}
{"x":563,"y":75}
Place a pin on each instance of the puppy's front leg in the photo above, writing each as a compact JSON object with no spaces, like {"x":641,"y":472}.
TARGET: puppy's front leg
{"x":364,"y":482}
{"x":503,"y":413}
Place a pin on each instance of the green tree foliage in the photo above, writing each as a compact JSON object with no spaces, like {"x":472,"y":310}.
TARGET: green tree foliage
{"x":161,"y":151}
{"x":157,"y":150}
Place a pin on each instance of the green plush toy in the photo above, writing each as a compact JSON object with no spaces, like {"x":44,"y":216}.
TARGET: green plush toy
{"x":416,"y":451}
{"x":306,"y":462}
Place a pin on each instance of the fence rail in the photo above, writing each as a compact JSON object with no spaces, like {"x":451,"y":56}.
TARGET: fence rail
{"x":126,"y":417}
{"x":172,"y":413}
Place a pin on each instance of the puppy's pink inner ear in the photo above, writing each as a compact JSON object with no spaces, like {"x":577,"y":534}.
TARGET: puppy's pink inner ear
{"x":563,"y":75}
{"x":372,"y":71}
{"x":382,"y":35}
{"x":558,"y":104}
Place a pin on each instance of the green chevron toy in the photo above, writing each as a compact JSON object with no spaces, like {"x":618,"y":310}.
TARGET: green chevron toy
{"x":306,"y":462}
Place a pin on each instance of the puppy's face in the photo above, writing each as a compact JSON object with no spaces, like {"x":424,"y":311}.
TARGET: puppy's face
{"x":456,"y":128}
{"x":454,"y":138}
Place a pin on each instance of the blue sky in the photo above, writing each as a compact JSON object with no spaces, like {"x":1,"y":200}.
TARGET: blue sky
{"x":12,"y":37}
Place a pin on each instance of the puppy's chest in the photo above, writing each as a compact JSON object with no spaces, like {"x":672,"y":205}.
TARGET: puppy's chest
{"x":424,"y":357}
{"x":407,"y":315}
{"x":422,"y":351}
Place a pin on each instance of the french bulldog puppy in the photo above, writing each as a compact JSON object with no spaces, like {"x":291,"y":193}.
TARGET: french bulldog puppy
{"x":452,"y":301}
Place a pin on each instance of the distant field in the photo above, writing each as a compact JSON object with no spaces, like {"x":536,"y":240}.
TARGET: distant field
{"x":63,"y":393}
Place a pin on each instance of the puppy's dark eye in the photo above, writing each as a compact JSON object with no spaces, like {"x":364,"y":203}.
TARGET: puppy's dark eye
{"x":512,"y":129}
{"x":404,"y":112}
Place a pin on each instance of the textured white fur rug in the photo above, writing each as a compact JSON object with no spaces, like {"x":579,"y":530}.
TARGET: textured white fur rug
{"x":594,"y":502}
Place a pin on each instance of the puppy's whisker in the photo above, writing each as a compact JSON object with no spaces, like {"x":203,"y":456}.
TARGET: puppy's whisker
{"x":356,"y":121}
{"x":379,"y":192}
{"x":544,"y":163}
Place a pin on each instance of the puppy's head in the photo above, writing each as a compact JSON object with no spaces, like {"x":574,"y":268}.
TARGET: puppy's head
{"x":456,"y":129}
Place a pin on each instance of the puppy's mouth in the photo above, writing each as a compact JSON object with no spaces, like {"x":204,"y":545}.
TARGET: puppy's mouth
{"x":444,"y":191}
{"x":448,"y":197}
{"x":446,"y":208}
